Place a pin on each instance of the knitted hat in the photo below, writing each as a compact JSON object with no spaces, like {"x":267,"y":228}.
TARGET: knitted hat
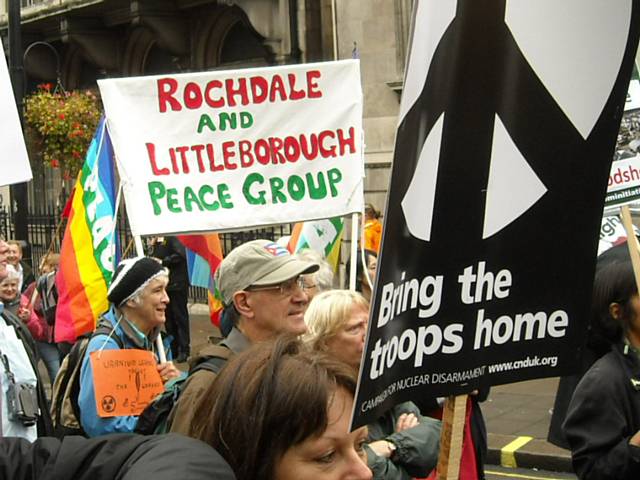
{"x":131,"y":276}
{"x":258,"y":263}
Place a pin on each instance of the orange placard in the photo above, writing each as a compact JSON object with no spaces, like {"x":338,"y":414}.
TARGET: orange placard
{"x":125,"y":381}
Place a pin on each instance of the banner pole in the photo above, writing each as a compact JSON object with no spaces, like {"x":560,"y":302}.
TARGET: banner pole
{"x":354,"y":252}
{"x":159,"y":345}
{"x":334,"y":24}
{"x":453,"y":419}
{"x":632,"y":242}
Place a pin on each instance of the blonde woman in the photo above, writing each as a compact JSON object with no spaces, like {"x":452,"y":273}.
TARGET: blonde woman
{"x":402,"y":444}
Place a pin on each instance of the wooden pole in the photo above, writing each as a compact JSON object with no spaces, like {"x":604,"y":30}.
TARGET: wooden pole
{"x":453,"y":417}
{"x":354,"y":252}
{"x":159,"y":345}
{"x":632,"y":242}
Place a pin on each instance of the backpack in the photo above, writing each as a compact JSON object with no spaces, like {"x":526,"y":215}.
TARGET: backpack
{"x":65,"y":412}
{"x":154,"y":418}
{"x":46,"y":287}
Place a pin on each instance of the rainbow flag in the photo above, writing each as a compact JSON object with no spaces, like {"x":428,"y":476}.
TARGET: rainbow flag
{"x":88,"y":253}
{"x":324,"y":236}
{"x":204,"y":254}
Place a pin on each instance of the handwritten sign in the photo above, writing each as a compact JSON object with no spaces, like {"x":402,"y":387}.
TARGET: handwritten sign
{"x":125,"y":381}
{"x":215,"y":151}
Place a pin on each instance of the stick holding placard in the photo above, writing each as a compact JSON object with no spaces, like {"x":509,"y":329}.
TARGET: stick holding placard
{"x":632,"y":242}
{"x":453,"y":416}
{"x":159,"y":345}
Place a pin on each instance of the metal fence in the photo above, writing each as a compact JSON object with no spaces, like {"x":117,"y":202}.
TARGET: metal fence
{"x":46,"y":228}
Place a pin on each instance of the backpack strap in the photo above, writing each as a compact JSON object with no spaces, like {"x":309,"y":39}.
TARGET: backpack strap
{"x":105,"y":328}
{"x":217,"y":358}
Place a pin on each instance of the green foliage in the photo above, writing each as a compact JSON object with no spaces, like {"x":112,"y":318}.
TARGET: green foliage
{"x":63,"y":124}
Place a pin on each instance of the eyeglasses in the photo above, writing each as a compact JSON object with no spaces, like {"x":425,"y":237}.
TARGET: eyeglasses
{"x":286,"y":289}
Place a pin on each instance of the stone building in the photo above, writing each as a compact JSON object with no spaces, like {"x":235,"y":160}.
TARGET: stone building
{"x":82,"y":41}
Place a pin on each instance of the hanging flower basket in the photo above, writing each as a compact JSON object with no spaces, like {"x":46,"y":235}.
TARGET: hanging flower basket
{"x":63,"y":124}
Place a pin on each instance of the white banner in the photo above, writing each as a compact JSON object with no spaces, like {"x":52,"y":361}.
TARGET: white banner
{"x":224,"y":150}
{"x":623,"y":186}
{"x":633,"y":96}
{"x":16,"y":168}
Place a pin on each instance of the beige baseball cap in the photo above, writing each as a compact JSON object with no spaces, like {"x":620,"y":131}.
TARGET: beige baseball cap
{"x":258,"y":263}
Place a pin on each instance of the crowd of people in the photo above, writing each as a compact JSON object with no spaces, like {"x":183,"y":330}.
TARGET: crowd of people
{"x":278,"y":402}
{"x":274,"y":397}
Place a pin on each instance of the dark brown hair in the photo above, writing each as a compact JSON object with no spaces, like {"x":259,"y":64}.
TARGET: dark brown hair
{"x":266,"y":400}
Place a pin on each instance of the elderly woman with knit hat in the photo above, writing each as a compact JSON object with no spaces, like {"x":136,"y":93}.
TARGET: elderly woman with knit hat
{"x":138,"y":303}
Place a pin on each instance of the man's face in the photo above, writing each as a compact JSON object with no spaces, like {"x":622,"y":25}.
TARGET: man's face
{"x":4,"y":250}
{"x":153,"y":303}
{"x":279,"y":308}
{"x":13,"y":255}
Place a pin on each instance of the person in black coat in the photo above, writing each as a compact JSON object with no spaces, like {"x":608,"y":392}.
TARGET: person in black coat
{"x":602,"y":426}
{"x":122,"y":456}
{"x":172,"y":254}
{"x":601,"y":335}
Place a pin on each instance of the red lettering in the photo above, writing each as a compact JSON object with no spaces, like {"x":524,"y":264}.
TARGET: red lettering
{"x":313,"y":90}
{"x":276,"y":145}
{"x":166,"y":88}
{"x":259,"y":89}
{"x":261,"y":148}
{"x":213,"y":102}
{"x":277,"y":86}
{"x":351,"y":141}
{"x":174,"y":161}
{"x":151,"y":151}
{"x":309,"y":147}
{"x":291,"y":149}
{"x":212,"y":159}
{"x":293,"y":93}
{"x":228,"y":154}
{"x":192,"y":96}
{"x":245,"y":152}
{"x":233,"y":91}
{"x":198,"y":149}
{"x":183,"y":157}
{"x":326,"y":152}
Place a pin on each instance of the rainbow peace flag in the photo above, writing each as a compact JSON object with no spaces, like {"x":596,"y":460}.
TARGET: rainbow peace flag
{"x":88,"y":253}
{"x":204,"y":254}
{"x":324,"y":236}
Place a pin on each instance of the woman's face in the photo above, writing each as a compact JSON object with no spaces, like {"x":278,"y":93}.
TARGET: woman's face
{"x":334,"y":455}
{"x":347,"y":345}
{"x":634,"y":323}
{"x":372,"y":265}
{"x":8,"y":289}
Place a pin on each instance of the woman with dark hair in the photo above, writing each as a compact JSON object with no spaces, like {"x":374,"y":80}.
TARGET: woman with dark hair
{"x":603,"y":420}
{"x":362,"y":282}
{"x":281,"y":412}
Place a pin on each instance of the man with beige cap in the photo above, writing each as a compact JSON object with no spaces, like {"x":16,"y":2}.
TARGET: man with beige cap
{"x":263,"y":296}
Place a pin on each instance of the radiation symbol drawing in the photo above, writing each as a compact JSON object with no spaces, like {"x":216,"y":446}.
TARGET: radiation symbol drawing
{"x":108,"y":403}
{"x":561,"y":58}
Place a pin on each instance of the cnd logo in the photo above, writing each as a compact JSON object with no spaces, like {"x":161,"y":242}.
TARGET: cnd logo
{"x":471,"y":130}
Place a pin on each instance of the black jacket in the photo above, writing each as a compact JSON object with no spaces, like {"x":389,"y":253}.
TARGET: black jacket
{"x":119,"y":456}
{"x":173,"y":256}
{"x":603,"y":415}
{"x":45,"y":427}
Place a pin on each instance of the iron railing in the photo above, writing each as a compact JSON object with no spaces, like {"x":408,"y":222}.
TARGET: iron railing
{"x":46,"y":228}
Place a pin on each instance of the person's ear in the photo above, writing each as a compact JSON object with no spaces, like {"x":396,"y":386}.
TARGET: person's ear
{"x":243,"y":304}
{"x":615,"y":310}
{"x":131,"y":303}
